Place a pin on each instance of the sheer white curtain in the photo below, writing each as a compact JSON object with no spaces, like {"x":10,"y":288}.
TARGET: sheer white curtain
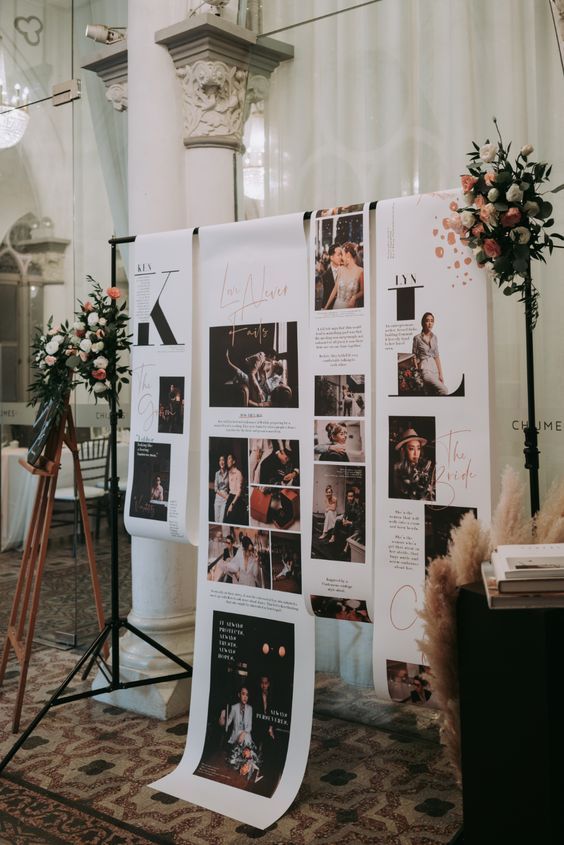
{"x":385,"y":100}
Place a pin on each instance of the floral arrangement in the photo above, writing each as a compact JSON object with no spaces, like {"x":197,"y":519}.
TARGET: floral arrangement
{"x":98,"y":336}
{"x":245,"y":759}
{"x":506,"y":218}
{"x":53,"y":376}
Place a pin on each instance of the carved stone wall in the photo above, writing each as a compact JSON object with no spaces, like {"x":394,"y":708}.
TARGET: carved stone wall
{"x":214,"y":100}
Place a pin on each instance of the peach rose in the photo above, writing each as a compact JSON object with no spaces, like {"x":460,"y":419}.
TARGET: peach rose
{"x":488,"y":214}
{"x":478,"y":230}
{"x":491,"y":248}
{"x":99,"y":375}
{"x":480,"y":201}
{"x":511,"y":217}
{"x":50,"y":360}
{"x":489,"y":177}
{"x":88,"y":306}
{"x":467,"y":182}
{"x":113,"y":293}
{"x":455,"y":223}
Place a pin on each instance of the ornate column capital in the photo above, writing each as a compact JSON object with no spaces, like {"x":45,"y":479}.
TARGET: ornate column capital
{"x":110,"y":64}
{"x":213,"y":58}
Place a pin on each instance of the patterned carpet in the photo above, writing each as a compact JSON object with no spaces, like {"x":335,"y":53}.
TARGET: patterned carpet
{"x":81,"y":777}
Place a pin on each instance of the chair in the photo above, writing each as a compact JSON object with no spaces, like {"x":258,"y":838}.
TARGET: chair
{"x":93,"y":457}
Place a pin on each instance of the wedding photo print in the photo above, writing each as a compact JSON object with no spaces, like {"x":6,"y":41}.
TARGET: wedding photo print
{"x":254,"y":365}
{"x":171,"y":405}
{"x":409,"y":683}
{"x":275,"y":507}
{"x":151,"y":480}
{"x":250,"y":702}
{"x":420,"y":371}
{"x":339,"y":396}
{"x":339,"y":259}
{"x":238,"y":555}
{"x":274,"y":462}
{"x":286,"y":562}
{"x":228,"y":480}
{"x":412,"y":458}
{"x":351,"y":610}
{"x":338,"y":441}
{"x":339,"y":514}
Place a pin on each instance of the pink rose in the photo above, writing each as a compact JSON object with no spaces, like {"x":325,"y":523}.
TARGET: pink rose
{"x":50,"y":360}
{"x":100,"y":375}
{"x":88,"y":306}
{"x":511,"y":217}
{"x":455,"y":223}
{"x":480,"y":201}
{"x":491,"y":248}
{"x":488,"y":214}
{"x":100,"y":333}
{"x":467,"y":182}
{"x":478,"y":230}
{"x":489,"y":177}
{"x":113,"y":293}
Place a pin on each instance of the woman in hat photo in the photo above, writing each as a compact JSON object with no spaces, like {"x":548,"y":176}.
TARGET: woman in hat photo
{"x":413,"y":475}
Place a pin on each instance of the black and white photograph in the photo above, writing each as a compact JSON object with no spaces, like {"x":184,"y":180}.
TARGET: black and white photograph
{"x":339,"y":441}
{"x":339,"y":513}
{"x":171,"y":405}
{"x":409,"y":683}
{"x":151,"y":481}
{"x":250,"y":702}
{"x":254,"y":365}
{"x":274,"y":462}
{"x":286,"y":562}
{"x":339,"y":260}
{"x":239,"y":555}
{"x":339,"y":396}
{"x":412,"y":458}
{"x":275,"y":507}
{"x":350,"y":610}
{"x":228,"y":480}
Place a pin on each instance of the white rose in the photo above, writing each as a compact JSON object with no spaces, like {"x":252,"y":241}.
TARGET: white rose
{"x":488,"y":152}
{"x":100,"y":387}
{"x":52,"y":347}
{"x":100,"y":362}
{"x":77,"y":324}
{"x":92,"y":318}
{"x":532,"y":208}
{"x":58,"y":339}
{"x":514,"y":194}
{"x":520,"y":234}
{"x":86,"y":345}
{"x":527,"y":150}
{"x":102,"y":321}
{"x":467,"y":219}
{"x":97,"y":347}
{"x":493,"y":194}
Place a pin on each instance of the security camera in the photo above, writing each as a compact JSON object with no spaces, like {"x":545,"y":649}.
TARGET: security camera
{"x":105,"y":34}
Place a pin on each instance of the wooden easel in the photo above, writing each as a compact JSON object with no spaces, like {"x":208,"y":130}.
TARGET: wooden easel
{"x":28,"y":586}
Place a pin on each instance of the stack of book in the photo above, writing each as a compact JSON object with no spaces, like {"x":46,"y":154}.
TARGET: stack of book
{"x":525,"y":576}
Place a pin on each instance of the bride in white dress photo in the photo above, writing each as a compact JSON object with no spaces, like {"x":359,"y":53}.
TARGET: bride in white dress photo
{"x":348,"y":291}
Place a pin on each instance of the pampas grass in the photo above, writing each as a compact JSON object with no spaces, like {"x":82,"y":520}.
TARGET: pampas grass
{"x":469,"y":545}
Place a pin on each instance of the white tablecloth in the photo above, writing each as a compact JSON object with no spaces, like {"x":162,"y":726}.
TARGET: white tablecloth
{"x":19,"y":486}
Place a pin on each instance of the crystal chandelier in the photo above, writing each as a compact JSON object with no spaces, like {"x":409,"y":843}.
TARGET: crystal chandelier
{"x":13,"y":109}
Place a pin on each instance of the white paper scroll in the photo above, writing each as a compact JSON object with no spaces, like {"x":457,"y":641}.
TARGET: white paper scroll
{"x":252,"y":690}
{"x":339,"y":572}
{"x":157,"y":490}
{"x":432,"y":419}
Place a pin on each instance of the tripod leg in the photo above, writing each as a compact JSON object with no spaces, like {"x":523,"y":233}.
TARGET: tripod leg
{"x":156,"y":645}
{"x":53,"y":700}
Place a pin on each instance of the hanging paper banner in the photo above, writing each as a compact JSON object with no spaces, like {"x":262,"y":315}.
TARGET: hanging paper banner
{"x":161,"y":359}
{"x":252,"y":696}
{"x":432,"y":419}
{"x":339,"y":572}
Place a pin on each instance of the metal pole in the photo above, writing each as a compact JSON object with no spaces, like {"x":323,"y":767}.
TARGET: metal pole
{"x":531,"y":450}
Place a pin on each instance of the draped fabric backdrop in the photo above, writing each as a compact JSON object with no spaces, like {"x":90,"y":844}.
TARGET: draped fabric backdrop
{"x":385,"y":100}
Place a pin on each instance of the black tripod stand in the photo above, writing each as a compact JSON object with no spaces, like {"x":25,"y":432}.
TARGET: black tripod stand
{"x":114,"y":625}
